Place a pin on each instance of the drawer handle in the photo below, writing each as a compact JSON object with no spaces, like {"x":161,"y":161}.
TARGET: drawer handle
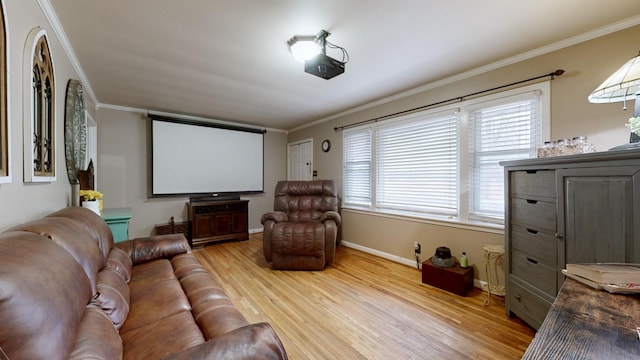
{"x":517,"y":297}
{"x":532,"y":171}
{"x":532,"y":201}
{"x":531,"y":231}
{"x":532,"y":261}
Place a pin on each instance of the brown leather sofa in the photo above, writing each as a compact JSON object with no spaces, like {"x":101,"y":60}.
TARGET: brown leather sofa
{"x":301,"y":232}
{"x":66,"y":292}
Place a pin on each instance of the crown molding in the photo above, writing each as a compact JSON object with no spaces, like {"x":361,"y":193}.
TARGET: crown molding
{"x":183,"y":116}
{"x":52,"y":17}
{"x":590,"y":35}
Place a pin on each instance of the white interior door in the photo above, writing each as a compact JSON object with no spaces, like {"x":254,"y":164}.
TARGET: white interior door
{"x":300,"y":155}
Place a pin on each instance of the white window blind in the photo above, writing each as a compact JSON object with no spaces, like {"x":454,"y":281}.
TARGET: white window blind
{"x":445,"y":165}
{"x":358,"y":167}
{"x":507,"y":129}
{"x":417,"y":165}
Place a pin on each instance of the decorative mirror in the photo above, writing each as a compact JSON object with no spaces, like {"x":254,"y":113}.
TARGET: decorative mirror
{"x":75,"y":130}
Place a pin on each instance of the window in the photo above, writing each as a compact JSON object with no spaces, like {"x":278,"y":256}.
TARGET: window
{"x":4,"y":122}
{"x":444,"y":163}
{"x":358,"y":166}
{"x":412,"y":153}
{"x":39,"y":164}
{"x":506,"y":130}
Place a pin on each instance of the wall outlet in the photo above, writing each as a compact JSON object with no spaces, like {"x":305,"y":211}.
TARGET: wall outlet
{"x":416,"y":247}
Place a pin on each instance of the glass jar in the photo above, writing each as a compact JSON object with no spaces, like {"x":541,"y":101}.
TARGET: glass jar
{"x":582,"y":145}
{"x":545,"y":150}
{"x":563,"y":146}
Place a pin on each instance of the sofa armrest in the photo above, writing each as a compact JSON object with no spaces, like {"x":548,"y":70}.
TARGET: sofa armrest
{"x":276,"y":216}
{"x":255,"y":341}
{"x":332,"y":215}
{"x":154,"y":247}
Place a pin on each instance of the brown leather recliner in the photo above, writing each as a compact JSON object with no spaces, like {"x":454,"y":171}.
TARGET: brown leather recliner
{"x":301,"y":232}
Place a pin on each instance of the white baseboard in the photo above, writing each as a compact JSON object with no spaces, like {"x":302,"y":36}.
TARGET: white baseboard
{"x":379,"y":253}
{"x":476,"y":283}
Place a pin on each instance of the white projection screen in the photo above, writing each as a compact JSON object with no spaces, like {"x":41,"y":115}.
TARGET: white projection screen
{"x":192,"y":158}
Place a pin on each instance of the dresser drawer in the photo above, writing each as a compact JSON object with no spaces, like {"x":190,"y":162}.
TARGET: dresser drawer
{"x":534,"y":272}
{"x":541,"y":245}
{"x":527,"y":305}
{"x":535,"y":214}
{"x":535,"y":183}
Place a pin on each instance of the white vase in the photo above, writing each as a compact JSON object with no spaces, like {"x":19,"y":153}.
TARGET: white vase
{"x":92,"y":205}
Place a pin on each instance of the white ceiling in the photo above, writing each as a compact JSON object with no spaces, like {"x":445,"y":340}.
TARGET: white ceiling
{"x":229,"y":60}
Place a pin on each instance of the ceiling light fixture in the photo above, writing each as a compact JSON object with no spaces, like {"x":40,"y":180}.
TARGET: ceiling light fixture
{"x":311,"y":50}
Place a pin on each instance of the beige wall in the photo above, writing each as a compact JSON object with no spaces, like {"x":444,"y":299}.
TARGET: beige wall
{"x":19,"y":201}
{"x":122,"y":154}
{"x":123,"y":172}
{"x":586,"y":64}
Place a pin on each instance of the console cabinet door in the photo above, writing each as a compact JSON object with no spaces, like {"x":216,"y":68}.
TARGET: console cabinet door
{"x":203,"y":226}
{"x":599,"y":214}
{"x":222,"y":224}
{"x":239,"y":223}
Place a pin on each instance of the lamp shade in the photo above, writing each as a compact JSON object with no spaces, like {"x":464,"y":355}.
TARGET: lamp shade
{"x":622,"y":85}
{"x":304,"y":48}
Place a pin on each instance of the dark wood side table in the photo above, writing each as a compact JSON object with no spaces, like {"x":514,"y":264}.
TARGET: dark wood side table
{"x":453,"y":279}
{"x":586,"y":323}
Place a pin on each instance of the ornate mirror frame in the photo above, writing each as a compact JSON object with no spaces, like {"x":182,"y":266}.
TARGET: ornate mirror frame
{"x":75,"y":130}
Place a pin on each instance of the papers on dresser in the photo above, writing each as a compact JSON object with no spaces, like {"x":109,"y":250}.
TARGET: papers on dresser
{"x":613,"y":277}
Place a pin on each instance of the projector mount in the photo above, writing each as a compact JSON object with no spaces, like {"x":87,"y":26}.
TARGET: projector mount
{"x":322,"y":65}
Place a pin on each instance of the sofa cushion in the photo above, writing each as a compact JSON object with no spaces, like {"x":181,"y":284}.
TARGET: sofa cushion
{"x":155,"y":294}
{"x":162,"y":338}
{"x":97,"y":338}
{"x":120,"y":262}
{"x":113,"y":296}
{"x":74,"y":238}
{"x":93,"y":223}
{"x":43,"y":295}
{"x":255,"y":341}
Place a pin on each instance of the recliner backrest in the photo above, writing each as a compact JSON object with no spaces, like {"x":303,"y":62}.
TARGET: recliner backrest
{"x":305,"y":200}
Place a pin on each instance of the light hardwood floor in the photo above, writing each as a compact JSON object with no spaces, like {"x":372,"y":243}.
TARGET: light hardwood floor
{"x":362,"y":307}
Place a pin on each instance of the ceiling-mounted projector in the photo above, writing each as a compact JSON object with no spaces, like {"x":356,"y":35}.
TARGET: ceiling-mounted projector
{"x":312,"y":50}
{"x":324,"y":66}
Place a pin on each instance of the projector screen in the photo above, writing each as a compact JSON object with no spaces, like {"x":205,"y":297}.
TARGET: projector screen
{"x":193,"y":158}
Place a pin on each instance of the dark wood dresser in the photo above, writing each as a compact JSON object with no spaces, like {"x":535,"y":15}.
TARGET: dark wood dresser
{"x":586,"y":323}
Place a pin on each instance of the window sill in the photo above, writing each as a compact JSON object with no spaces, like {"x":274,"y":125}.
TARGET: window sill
{"x":431,"y":219}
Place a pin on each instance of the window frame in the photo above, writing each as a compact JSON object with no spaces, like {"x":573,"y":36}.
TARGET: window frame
{"x":37,"y":40}
{"x":464,"y":173}
{"x":5,"y":126}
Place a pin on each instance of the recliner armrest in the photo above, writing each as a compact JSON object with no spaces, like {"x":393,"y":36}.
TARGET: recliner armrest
{"x":255,"y":341}
{"x":154,"y":247}
{"x":277,"y":216}
{"x":332,"y":215}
